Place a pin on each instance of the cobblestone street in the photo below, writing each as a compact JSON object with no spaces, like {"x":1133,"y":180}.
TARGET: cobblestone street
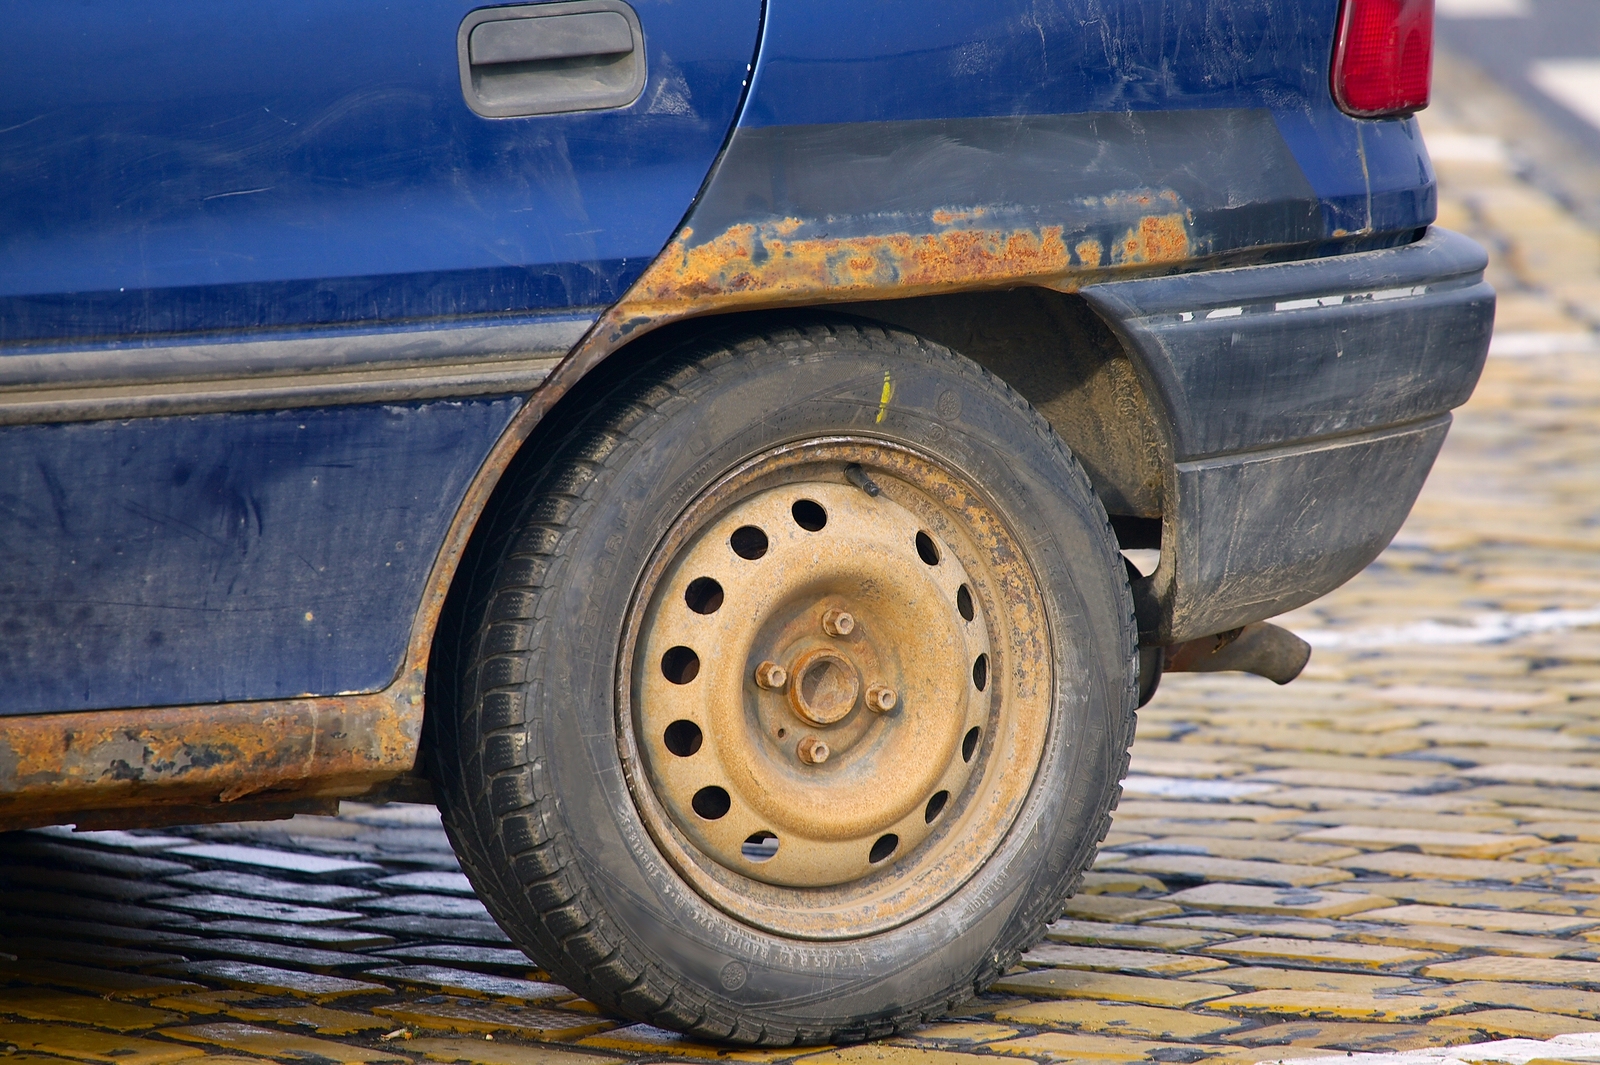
{"x":1400,"y":850}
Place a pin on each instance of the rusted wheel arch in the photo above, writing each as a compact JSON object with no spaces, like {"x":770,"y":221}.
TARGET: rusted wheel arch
{"x":965,"y":321}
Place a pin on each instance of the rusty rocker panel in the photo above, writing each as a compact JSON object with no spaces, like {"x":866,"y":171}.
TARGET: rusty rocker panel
{"x":244,"y":753}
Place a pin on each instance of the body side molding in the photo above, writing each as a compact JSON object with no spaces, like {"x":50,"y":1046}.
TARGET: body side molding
{"x":283,"y":372}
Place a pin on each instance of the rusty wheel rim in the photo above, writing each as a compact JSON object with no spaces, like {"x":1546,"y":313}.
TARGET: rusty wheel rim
{"x":835,"y":688}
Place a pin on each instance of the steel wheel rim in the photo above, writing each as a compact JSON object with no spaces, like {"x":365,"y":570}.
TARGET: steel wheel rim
{"x":932,"y":697}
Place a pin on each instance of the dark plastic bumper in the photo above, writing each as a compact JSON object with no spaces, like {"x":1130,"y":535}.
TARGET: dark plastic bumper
{"x":1305,"y":403}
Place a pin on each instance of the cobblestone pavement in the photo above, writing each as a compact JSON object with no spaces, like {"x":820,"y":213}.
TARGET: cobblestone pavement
{"x":1401,"y":850}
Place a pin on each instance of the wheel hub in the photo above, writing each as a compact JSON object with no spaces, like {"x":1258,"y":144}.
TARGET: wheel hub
{"x":826,"y":686}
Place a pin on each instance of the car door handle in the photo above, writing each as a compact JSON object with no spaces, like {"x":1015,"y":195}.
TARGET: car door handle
{"x":537,"y":40}
{"x":541,"y":59}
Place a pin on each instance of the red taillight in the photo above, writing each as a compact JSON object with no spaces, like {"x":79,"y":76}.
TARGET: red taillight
{"x":1383,"y":57}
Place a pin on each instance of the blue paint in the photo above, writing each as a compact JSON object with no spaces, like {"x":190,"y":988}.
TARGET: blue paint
{"x":224,"y":557}
{"x":1329,"y":145}
{"x":836,"y":61}
{"x":207,"y":165}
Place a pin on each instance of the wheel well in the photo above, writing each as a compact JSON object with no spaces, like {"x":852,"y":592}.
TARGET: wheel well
{"x":1052,"y":348}
{"x":1049,"y":346}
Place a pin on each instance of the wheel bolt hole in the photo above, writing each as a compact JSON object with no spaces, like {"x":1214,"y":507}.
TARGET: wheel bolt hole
{"x":927,"y":550}
{"x":883,"y":848}
{"x":935,"y":806}
{"x":682,"y":738}
{"x":964,"y":602}
{"x":809,"y":515}
{"x":711,"y":802}
{"x":759,"y":846}
{"x":782,"y":732}
{"x":748,"y":542}
{"x":703,"y":595}
{"x":980,"y":672}
{"x":969,"y":743}
{"x":680,"y":665}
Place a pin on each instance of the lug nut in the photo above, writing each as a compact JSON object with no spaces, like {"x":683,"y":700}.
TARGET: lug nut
{"x":813,"y":751}
{"x":771,"y":676}
{"x":837,"y":622}
{"x":881,"y":698}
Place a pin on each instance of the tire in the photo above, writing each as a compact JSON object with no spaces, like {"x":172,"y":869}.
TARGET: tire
{"x":545,"y":711}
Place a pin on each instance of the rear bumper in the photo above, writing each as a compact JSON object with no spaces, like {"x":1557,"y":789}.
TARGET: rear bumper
{"x":1304,"y":403}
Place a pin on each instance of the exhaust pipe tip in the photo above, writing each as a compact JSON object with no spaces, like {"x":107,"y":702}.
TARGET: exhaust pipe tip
{"x":1262,"y":648}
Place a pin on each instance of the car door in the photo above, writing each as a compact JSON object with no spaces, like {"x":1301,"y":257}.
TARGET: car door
{"x":223,"y":228}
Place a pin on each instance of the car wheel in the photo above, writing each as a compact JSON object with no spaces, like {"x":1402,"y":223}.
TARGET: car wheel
{"x":791,"y":686}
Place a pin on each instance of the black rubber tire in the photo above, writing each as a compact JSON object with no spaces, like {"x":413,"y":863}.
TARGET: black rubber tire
{"x":521,"y":736}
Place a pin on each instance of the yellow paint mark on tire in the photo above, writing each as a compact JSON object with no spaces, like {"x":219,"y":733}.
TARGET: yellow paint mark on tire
{"x":883,"y":402}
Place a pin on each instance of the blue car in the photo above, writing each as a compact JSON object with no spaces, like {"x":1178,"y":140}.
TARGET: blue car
{"x":698,"y":443}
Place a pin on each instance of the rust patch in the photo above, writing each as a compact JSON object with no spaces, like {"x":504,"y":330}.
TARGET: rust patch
{"x":765,"y":264}
{"x":53,"y":765}
{"x":774,"y":263}
{"x":1156,"y":239}
{"x":950,"y":218}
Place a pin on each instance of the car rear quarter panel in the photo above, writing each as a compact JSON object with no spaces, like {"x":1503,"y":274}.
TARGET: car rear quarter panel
{"x":895,"y":150}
